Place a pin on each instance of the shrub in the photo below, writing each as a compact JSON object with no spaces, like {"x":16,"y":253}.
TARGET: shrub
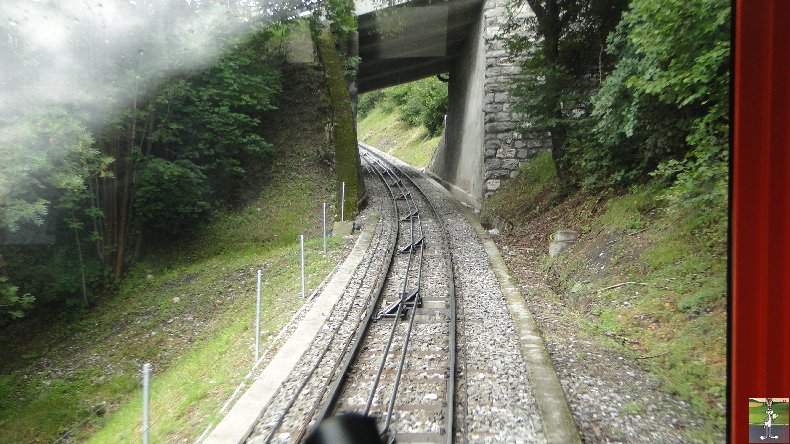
{"x":170,"y":196}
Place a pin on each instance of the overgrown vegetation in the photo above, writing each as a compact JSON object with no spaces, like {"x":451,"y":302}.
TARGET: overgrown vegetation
{"x":640,"y":279}
{"x":159,"y":167}
{"x":406,"y":120}
{"x":186,"y":306}
{"x":189,"y":312}
{"x":630,"y":90}
{"x":134,"y":237}
{"x":83,"y":191}
{"x":535,"y":189}
{"x":385,"y":131}
{"x":634,"y":97}
{"x":420,"y":103}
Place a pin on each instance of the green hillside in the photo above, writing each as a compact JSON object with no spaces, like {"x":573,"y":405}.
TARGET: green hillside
{"x":757,"y":414}
{"x":405,"y":121}
{"x":640,"y":281}
{"x":186,"y":307}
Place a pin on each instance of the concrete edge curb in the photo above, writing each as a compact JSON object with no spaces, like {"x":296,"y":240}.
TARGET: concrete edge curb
{"x":558,"y":422}
{"x":237,"y":425}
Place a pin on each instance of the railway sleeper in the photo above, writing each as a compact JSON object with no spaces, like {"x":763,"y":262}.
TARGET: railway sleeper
{"x":410,"y":216}
{"x":395,"y":308}
{"x":413,"y":246}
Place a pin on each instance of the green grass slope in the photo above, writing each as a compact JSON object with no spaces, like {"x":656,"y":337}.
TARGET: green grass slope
{"x":757,"y":414}
{"x":188,"y":308}
{"x":383,"y":130}
{"x":642,"y":278}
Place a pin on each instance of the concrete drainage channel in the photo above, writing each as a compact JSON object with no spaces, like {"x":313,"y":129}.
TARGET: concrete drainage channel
{"x":488,"y":381}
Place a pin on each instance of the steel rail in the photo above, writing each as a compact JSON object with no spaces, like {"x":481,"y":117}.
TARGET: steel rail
{"x":451,"y":379}
{"x":403,"y":295}
{"x":412,"y":208}
{"x":306,"y":420}
{"x":303,"y":428}
{"x":327,"y":347}
{"x":399,"y":373}
{"x":412,"y":315}
{"x":335,"y":391}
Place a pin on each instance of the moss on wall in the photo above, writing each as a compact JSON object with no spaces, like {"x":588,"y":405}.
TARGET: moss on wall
{"x":348,"y":168}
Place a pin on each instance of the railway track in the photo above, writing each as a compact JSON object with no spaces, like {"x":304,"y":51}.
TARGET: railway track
{"x":389,"y":348}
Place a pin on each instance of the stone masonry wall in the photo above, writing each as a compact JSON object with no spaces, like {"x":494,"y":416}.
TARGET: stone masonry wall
{"x":505,"y":149}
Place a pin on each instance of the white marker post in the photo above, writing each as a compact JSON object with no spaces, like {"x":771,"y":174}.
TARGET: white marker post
{"x":343,"y":203}
{"x":146,"y":398}
{"x":301,"y":244}
{"x":324,"y":228}
{"x":258,"y":319}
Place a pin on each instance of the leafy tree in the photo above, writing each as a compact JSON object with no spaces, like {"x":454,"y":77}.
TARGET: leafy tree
{"x":667,"y":98}
{"x":651,"y":98}
{"x":170,"y":196}
{"x":12,"y":304}
{"x":420,"y":103}
{"x":174,"y":147}
{"x":212,"y":117}
{"x":426,"y":104}
{"x":38,"y":149}
{"x":369,"y":101}
{"x":157,"y":167}
{"x":563,"y":62}
{"x":342,"y":16}
{"x":206,"y":124}
{"x":47,"y":181}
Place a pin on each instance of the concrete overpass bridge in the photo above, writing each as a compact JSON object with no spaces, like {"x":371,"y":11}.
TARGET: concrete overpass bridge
{"x":421,"y":38}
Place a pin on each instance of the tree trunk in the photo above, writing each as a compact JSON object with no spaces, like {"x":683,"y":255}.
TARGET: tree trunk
{"x":552,"y":30}
{"x":123,"y":214}
{"x":82,"y":267}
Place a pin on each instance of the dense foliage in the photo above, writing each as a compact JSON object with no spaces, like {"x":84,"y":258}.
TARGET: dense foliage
{"x":634,"y":96}
{"x":630,"y":90}
{"x":667,"y":99}
{"x":420,"y":103}
{"x":77,"y":205}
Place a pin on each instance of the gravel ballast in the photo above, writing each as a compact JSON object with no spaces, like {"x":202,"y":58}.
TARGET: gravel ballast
{"x":495,"y":400}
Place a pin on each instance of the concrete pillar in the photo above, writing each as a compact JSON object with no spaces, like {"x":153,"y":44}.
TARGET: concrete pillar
{"x":482,"y":146}
{"x":458,"y":161}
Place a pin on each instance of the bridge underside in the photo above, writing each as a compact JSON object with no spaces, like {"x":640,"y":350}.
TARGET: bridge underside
{"x":412,"y":41}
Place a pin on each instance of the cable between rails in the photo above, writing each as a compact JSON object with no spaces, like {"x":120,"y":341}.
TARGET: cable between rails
{"x":451,"y":377}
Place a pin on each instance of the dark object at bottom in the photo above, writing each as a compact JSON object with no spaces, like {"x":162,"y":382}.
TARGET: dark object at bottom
{"x":348,"y":428}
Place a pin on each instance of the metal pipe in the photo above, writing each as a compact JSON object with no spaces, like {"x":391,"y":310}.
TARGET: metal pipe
{"x":343,"y":203}
{"x":325,"y":228}
{"x":301,"y":248}
{"x":258,"y":318}
{"x":146,"y":399}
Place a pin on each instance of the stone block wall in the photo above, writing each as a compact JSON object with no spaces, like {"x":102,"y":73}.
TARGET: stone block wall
{"x":505,"y":150}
